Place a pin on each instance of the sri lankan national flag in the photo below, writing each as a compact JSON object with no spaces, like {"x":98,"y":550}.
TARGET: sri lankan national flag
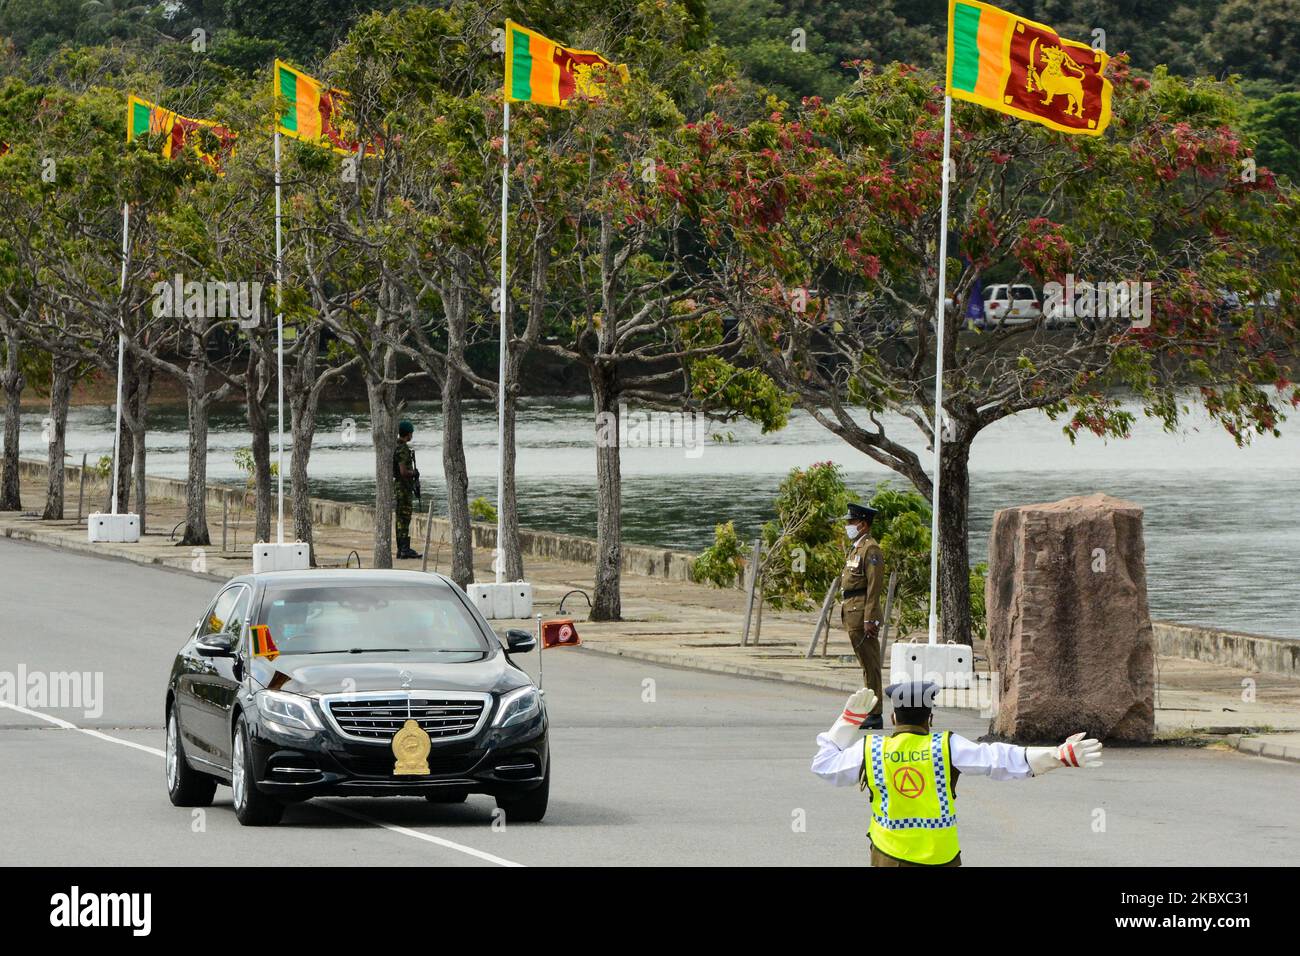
{"x":1017,"y":66}
{"x":211,"y":142}
{"x":263,"y":645}
{"x":539,"y":70}
{"x":309,"y":111}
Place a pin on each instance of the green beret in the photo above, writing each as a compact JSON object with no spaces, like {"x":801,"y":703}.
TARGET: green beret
{"x":404,"y":427}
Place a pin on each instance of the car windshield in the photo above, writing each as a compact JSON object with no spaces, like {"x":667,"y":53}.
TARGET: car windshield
{"x":1022,"y":292}
{"x":369,"y":618}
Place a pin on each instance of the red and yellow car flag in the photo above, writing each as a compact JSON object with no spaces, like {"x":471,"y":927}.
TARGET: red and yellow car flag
{"x":541,"y":71}
{"x":263,"y":646}
{"x":211,"y":142}
{"x":1017,"y":66}
{"x":307,"y":110}
{"x":560,"y":633}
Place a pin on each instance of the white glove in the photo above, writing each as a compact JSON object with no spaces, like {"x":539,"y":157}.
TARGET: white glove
{"x":848,"y":728}
{"x":1075,"y":752}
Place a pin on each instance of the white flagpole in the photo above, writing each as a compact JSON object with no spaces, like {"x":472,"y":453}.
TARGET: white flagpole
{"x":121,"y":350}
{"x":938,"y":374}
{"x":279,"y":347}
{"x":501,"y":365}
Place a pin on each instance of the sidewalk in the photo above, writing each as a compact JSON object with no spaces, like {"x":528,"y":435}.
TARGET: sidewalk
{"x":698,"y":627}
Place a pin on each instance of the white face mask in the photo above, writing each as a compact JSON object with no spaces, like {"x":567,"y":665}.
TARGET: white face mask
{"x":851,"y":530}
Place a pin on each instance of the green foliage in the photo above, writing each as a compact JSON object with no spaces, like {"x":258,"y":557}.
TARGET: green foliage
{"x":1275,"y":124}
{"x":726,"y":389}
{"x":723,"y":562}
{"x":480,"y":509}
{"x":903,"y":530}
{"x":978,"y":610}
{"x":244,"y":462}
{"x":760,"y":36}
{"x":803,"y":548}
{"x":1255,"y":38}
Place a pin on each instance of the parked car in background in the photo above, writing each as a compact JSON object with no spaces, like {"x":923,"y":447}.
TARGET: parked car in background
{"x":1010,"y":304}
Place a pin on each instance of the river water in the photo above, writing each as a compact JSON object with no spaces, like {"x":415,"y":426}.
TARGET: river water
{"x":1222,"y":523}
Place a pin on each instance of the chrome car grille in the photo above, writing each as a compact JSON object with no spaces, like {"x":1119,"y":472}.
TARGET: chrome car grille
{"x":378,"y":716}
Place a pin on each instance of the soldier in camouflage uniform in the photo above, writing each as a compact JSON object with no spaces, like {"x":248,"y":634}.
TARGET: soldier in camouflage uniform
{"x":863,"y":581}
{"x":406,"y":487}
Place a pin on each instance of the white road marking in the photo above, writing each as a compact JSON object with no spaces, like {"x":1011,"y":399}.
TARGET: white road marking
{"x":68,"y":725}
{"x":482,"y":855}
{"x":404,"y":831}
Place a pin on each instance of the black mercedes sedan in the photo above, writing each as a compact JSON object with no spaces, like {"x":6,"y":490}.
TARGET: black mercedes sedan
{"x":299,"y":684}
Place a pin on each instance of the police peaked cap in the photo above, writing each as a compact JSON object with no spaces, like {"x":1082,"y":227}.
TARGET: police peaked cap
{"x":860,"y":513}
{"x":913,"y":693}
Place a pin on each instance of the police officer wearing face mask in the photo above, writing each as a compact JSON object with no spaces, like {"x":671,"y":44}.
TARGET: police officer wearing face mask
{"x":862,"y":583}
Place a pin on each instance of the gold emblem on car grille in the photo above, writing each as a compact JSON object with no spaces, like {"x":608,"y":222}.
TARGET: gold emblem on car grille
{"x":411,"y":748}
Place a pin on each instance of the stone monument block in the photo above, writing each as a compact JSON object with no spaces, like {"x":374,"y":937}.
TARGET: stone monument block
{"x":1069,"y":630}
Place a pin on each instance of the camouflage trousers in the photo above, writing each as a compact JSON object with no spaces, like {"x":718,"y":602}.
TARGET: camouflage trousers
{"x":402,"y":505}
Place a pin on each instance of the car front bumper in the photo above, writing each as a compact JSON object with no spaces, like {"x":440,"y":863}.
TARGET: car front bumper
{"x":296,"y":766}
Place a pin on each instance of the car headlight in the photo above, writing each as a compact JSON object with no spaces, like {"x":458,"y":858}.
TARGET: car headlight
{"x":518,"y":706}
{"x":290,"y":710}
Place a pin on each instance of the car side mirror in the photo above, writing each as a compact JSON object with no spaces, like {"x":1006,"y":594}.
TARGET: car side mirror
{"x":519,"y":641}
{"x":215,"y":645}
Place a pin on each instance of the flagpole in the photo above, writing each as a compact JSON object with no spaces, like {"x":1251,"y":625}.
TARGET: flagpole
{"x":279,"y":349}
{"x":937,"y":427}
{"x":121,"y":349}
{"x":501,"y":365}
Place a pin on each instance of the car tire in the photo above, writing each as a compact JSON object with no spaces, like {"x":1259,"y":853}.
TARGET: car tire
{"x":447,"y":796}
{"x":186,"y":787}
{"x":253,"y":808}
{"x":529,"y":807}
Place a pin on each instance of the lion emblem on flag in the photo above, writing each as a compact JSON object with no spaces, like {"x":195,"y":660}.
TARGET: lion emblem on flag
{"x":1059,"y":76}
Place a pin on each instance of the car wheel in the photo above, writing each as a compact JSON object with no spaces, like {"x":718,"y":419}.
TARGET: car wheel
{"x":529,"y":807}
{"x":447,"y":796}
{"x":253,"y":808}
{"x":186,"y":787}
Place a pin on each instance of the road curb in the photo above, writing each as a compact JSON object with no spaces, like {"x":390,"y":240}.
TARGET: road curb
{"x":1261,"y":747}
{"x":686,"y":662}
{"x":101,"y":550}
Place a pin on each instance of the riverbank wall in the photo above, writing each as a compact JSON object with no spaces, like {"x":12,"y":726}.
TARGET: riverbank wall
{"x":542,"y":545}
{"x":1251,"y":652}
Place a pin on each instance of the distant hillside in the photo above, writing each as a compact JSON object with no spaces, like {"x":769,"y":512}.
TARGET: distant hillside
{"x":795,"y":48}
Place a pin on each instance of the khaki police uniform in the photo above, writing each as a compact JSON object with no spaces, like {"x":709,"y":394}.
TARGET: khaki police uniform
{"x":862,"y":582}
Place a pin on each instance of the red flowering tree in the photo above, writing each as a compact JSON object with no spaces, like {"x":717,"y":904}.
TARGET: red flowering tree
{"x":822,"y":224}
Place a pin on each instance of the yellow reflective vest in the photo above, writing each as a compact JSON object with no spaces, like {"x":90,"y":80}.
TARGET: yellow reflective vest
{"x":913,"y":803}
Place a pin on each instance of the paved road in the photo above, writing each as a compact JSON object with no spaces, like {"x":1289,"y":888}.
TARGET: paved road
{"x":711,"y":770}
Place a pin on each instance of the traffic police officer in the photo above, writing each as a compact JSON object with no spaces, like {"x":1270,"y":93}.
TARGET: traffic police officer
{"x":862,"y":582}
{"x":406,"y":486}
{"x":911,"y":775}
